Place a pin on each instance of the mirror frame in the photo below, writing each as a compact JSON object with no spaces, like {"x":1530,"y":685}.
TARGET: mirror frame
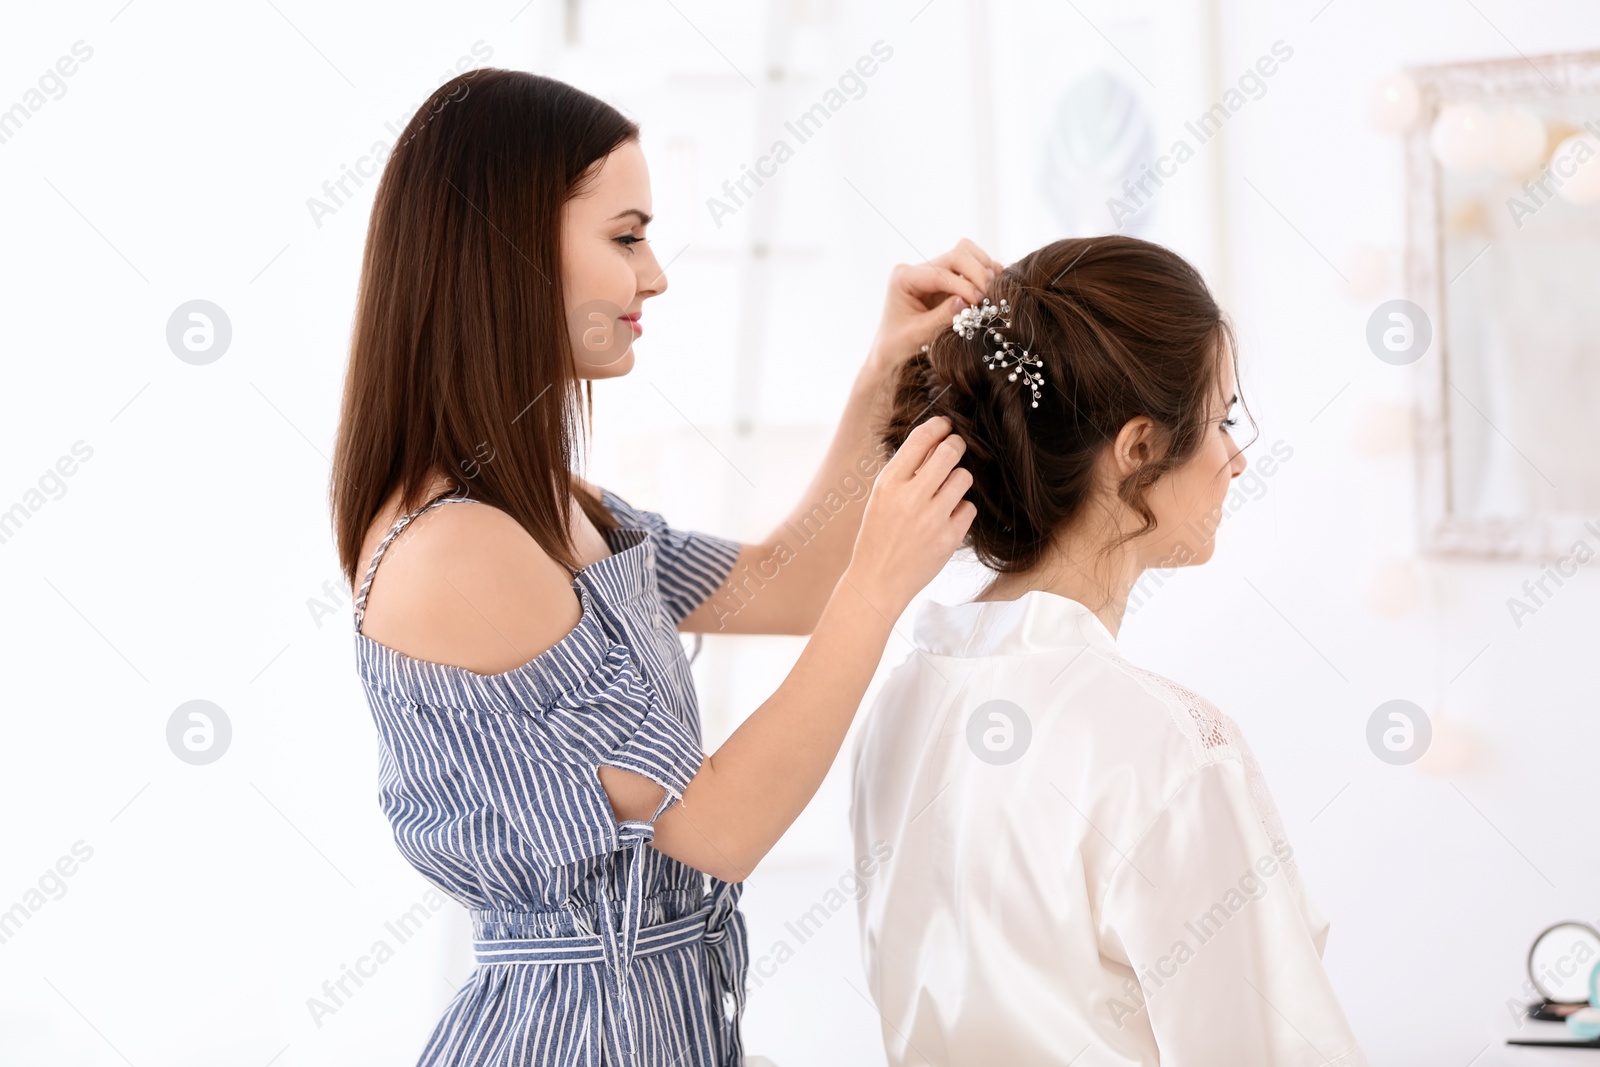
{"x":1534,"y":536}
{"x":1534,"y":948}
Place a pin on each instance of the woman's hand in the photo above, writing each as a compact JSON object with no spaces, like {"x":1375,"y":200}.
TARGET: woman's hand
{"x":915,"y":518}
{"x":923,"y":297}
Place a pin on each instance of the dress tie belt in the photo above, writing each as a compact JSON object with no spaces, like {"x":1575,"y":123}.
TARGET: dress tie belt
{"x":621,"y":939}
{"x":590,"y":948}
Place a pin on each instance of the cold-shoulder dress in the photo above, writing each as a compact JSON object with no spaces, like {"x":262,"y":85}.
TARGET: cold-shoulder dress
{"x":592,"y":947}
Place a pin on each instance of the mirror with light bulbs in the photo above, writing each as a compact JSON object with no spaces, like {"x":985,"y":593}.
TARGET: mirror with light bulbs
{"x":1503,"y":260}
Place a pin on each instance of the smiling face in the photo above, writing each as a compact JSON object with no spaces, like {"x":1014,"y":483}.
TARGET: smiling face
{"x":1187,"y":501}
{"x":607,"y":267}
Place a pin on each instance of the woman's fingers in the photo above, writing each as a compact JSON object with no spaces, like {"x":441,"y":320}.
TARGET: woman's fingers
{"x":972,"y":265}
{"x":971,"y":261}
{"x":940,"y":461}
{"x":968,"y":245}
{"x":915,"y":516}
{"x":919,"y":444}
{"x":954,"y":488}
{"x":962,"y":517}
{"x":994,"y":264}
{"x":935,"y":280}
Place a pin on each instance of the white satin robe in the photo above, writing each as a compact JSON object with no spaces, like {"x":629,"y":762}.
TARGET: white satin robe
{"x":1120,"y":893}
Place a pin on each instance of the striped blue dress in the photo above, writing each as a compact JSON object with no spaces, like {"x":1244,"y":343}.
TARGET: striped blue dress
{"x":592,"y":947}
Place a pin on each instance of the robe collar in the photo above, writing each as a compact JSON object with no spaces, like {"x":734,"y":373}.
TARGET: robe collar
{"x":1037,"y":621}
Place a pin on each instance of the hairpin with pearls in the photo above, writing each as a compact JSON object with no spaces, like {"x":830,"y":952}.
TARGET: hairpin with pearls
{"x":972,"y":320}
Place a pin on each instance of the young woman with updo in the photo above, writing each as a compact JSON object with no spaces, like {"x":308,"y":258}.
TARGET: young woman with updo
{"x":1087,"y":867}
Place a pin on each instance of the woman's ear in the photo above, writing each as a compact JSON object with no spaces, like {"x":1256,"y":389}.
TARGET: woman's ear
{"x":1134,"y":446}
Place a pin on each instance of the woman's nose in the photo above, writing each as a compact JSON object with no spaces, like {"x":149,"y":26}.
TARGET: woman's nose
{"x":1238,"y":464}
{"x":653,"y":278}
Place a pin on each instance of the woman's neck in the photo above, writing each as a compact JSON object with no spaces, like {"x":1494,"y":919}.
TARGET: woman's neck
{"x":1099,"y":581}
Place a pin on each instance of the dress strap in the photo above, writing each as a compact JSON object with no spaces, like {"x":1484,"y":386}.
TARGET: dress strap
{"x":394,"y":531}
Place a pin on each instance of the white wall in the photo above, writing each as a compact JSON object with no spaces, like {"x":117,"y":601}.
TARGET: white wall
{"x":1436,"y":876}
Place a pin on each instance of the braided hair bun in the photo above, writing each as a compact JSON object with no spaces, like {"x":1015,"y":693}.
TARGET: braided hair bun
{"x":1123,"y":328}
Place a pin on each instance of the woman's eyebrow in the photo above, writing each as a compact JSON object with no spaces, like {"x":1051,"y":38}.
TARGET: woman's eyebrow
{"x":644,"y":217}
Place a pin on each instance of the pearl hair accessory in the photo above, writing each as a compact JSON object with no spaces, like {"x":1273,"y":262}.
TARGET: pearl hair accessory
{"x":970,"y":321}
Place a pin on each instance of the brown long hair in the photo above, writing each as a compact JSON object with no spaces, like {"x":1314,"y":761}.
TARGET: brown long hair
{"x":1125,"y":328}
{"x":461,"y":358}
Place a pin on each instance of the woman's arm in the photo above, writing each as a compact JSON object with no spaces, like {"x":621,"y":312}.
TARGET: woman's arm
{"x":472,"y":589}
{"x":747,"y":793}
{"x":1204,"y":910}
{"x":783,"y":583}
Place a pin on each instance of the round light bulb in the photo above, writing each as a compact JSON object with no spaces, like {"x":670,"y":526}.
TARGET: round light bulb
{"x":1461,"y":137}
{"x":1518,"y":143}
{"x":1393,"y":104}
{"x":1576,"y":164}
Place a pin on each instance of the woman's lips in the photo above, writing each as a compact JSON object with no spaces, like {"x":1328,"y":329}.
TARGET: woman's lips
{"x":633,"y":321}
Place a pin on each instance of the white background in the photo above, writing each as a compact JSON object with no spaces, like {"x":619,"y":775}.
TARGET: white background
{"x":182,"y":559}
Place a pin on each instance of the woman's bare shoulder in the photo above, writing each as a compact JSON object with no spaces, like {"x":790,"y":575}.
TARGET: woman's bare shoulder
{"x":464,"y":584}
